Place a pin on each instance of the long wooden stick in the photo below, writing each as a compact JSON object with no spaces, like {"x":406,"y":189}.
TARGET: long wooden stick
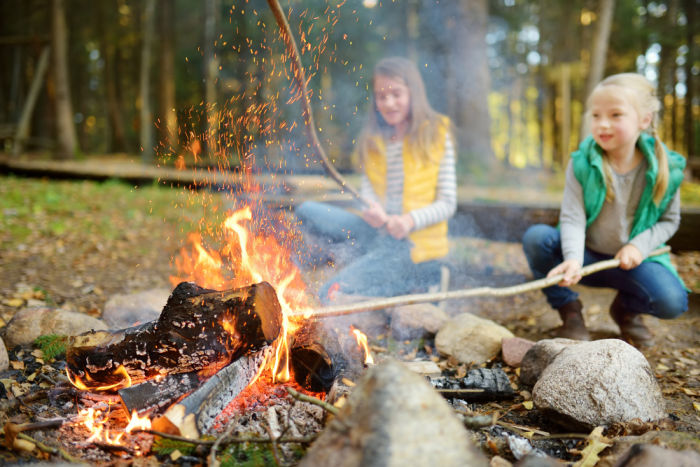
{"x":378,"y":304}
{"x":300,"y":77}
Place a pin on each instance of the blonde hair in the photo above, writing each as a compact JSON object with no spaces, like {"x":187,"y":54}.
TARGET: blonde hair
{"x":641,"y":94}
{"x":423,"y":118}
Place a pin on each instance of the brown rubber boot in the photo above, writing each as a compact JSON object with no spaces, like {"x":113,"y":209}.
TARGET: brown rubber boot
{"x":632,"y":328}
{"x":574,"y":326}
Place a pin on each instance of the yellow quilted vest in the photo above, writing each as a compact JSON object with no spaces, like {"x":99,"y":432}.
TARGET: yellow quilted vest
{"x":419,"y":190}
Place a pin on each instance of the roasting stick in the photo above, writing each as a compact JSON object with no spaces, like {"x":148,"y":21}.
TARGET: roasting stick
{"x":300,"y":77}
{"x":378,"y":304}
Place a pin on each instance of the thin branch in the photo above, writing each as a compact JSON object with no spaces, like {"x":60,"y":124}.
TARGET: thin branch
{"x":381,"y":303}
{"x":312,"y":400}
{"x":300,"y":77}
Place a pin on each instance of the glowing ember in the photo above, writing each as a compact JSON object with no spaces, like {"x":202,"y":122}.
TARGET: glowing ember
{"x":362,"y":343}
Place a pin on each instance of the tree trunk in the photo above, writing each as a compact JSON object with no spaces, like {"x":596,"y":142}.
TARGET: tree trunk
{"x":146,"y":116}
{"x":211,"y":72}
{"x":22,"y":132}
{"x":599,"y":51}
{"x":168,"y":115}
{"x":66,"y":146}
{"x":115,"y":114}
{"x":473,"y":82}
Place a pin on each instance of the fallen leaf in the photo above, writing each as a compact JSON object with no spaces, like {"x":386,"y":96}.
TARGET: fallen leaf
{"x":596,"y":443}
{"x":14,"y":302}
{"x":528,"y":405}
{"x":17,"y":365}
{"x":696,"y":405}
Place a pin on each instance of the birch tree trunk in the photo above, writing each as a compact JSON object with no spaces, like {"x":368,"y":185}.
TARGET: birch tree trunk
{"x":66,"y":139}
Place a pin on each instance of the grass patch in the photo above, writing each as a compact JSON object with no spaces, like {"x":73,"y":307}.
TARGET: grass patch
{"x":56,"y":208}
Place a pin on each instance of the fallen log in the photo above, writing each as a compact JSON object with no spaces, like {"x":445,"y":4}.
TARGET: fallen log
{"x":198,"y":330}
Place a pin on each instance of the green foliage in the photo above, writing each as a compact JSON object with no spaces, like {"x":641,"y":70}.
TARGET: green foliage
{"x":247,"y":455}
{"x":51,"y":345}
{"x":165,"y":446}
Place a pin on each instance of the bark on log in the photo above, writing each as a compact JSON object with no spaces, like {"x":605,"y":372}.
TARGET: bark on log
{"x":198,"y":329}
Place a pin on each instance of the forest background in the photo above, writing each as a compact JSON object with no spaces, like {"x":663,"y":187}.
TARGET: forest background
{"x":183,"y":81}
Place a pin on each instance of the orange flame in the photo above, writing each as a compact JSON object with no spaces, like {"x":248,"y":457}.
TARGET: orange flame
{"x":138,"y":423}
{"x":96,"y":422}
{"x":362,"y":343}
{"x":250,"y":253}
{"x":78,"y":383}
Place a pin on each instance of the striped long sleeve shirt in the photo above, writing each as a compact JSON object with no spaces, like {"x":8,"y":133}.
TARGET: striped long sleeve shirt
{"x":445,"y":203}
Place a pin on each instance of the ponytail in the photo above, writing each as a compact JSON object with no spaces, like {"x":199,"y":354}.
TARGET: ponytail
{"x":662,"y":173}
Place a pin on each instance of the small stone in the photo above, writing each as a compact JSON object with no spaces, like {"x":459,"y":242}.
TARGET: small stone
{"x":513,"y":350}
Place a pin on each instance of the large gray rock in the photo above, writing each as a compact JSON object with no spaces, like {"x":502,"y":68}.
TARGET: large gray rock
{"x":394,"y":418}
{"x":539,"y":356}
{"x":599,"y":383}
{"x":127,"y":310}
{"x":30,"y":323}
{"x":471,"y":339}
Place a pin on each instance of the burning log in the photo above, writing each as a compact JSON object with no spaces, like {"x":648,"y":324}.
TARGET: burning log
{"x":154,"y":396}
{"x":196,"y":413}
{"x":198,"y":329}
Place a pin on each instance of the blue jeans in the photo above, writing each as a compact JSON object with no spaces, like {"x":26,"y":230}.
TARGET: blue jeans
{"x":649,"y":288}
{"x":376,"y":263}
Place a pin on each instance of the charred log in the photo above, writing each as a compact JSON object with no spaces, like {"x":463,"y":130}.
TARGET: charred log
{"x":479,"y":385}
{"x":317,"y":357}
{"x":154,"y":396}
{"x":198,"y":330}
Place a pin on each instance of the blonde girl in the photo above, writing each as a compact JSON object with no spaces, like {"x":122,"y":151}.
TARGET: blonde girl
{"x":621,"y":199}
{"x":408,"y":161}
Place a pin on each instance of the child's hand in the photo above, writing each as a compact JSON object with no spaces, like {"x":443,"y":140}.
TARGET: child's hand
{"x":400,"y":226}
{"x":630,"y":257}
{"x":375,"y":216}
{"x":571,"y":270}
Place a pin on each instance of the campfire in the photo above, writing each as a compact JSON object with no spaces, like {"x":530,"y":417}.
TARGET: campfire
{"x":232,"y":334}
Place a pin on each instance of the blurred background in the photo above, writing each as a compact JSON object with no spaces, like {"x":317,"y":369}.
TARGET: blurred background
{"x":190,"y":82}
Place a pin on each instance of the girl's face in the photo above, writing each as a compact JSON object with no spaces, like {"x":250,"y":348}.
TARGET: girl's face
{"x":393,"y":100}
{"x":615,"y":123}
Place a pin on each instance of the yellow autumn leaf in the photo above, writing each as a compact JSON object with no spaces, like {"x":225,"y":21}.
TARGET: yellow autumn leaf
{"x":528,"y":405}
{"x":697,"y":406}
{"x":14,"y":302}
{"x":596,"y":443}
